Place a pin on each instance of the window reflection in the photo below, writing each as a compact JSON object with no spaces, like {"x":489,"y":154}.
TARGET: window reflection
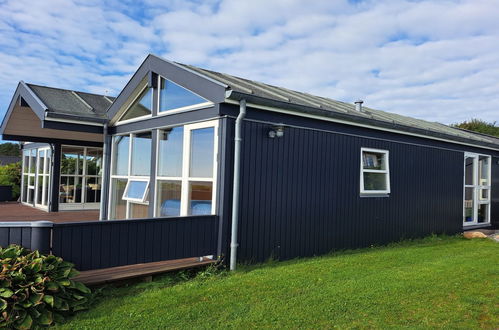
{"x":141,"y":154}
{"x":171,"y":144}
{"x":173,"y":96}
{"x":202,"y":145}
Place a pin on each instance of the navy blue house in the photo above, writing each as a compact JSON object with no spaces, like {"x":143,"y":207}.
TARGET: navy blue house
{"x":282,"y":174}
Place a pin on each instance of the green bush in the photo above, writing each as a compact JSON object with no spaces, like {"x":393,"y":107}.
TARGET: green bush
{"x":36,"y":289}
{"x":10,"y":175}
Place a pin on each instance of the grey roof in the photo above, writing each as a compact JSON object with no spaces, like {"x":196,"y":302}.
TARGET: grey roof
{"x":340,"y":109}
{"x":71,"y":103}
{"x":5,"y":160}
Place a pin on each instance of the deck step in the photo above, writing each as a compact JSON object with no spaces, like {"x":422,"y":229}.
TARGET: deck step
{"x":108,"y":275}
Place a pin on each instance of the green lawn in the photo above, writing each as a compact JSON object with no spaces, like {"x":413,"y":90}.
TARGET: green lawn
{"x":432,"y":283}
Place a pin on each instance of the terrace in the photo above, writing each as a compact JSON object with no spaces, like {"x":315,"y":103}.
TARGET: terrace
{"x":13,"y":211}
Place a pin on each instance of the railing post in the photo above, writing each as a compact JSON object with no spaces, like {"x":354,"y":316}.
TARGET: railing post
{"x":41,"y":232}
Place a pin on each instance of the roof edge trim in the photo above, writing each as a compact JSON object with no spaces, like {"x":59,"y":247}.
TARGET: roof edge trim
{"x":23,"y":90}
{"x":233,"y":98}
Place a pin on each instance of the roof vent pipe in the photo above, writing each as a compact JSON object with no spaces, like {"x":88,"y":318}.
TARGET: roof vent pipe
{"x":358,"y":105}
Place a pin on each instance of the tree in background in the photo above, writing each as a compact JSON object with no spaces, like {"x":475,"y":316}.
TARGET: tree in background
{"x":10,"y":149}
{"x":480,"y":126}
{"x":10,"y":175}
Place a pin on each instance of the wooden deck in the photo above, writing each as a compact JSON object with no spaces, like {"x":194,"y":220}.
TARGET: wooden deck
{"x":113,"y":274}
{"x":13,"y":211}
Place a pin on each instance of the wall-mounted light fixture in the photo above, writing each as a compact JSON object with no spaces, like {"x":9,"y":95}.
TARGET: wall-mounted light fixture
{"x":276,"y":131}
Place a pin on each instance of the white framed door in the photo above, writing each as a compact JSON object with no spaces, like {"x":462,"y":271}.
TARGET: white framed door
{"x":42,"y":178}
{"x":477,"y":185}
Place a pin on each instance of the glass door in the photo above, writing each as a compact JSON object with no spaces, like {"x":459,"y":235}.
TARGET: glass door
{"x":42,"y":178}
{"x":31,"y":177}
{"x":476,"y":189}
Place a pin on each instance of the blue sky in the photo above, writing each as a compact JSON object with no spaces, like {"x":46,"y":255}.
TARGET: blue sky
{"x":435,"y":60}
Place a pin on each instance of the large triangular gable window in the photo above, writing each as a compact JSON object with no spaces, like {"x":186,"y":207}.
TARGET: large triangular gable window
{"x":142,"y":106}
{"x":176,"y":97}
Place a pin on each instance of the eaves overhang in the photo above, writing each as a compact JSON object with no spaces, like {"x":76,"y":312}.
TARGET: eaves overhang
{"x":232,"y":96}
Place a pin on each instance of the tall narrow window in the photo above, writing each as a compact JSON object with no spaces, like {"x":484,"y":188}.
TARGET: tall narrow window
{"x":176,"y":97}
{"x":169,"y":176}
{"x":121,"y":152}
{"x":130,"y":176}
{"x":374,"y":173}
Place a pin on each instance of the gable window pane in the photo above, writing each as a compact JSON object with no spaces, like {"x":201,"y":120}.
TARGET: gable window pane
{"x":173,"y":96}
{"x":202,"y":144}
{"x":141,"y":107}
{"x":141,"y":154}
{"x":169,"y":195}
{"x":200,"y":194}
{"x":121,"y":146}
{"x":170,"y":152}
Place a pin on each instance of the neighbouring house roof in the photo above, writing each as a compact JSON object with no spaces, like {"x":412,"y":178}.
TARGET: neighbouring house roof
{"x":265,"y":94}
{"x":5,"y":160}
{"x":46,"y":114}
{"x":64,"y":103}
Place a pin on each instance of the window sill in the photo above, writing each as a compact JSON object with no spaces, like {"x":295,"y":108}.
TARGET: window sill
{"x":362,"y":195}
{"x":477,"y":226}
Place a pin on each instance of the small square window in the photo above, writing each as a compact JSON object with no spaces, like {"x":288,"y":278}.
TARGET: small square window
{"x":136,"y":190}
{"x":374,"y":174}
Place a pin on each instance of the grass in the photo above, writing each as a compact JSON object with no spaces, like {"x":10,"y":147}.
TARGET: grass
{"x":438,"y":282}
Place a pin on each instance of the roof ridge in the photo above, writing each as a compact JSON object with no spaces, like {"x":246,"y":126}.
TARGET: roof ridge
{"x":67,"y":90}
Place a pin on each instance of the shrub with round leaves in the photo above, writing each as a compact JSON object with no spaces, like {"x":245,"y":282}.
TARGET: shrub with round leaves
{"x":37,"y":290}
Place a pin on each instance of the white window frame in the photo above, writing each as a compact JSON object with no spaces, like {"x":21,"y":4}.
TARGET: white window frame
{"x":477,"y":188}
{"x":127,"y":177}
{"x":32,"y":190}
{"x":186,"y":179}
{"x":131,"y":120}
{"x":83,"y":178}
{"x":196,"y":106}
{"x":42,"y":178}
{"x":144,"y":195}
{"x":386,"y":171}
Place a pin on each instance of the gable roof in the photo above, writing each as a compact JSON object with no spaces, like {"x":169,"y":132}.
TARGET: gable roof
{"x":266,"y":94}
{"x":64,"y":103}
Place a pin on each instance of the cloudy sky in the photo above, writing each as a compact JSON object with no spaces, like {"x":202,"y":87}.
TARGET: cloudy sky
{"x":435,"y":60}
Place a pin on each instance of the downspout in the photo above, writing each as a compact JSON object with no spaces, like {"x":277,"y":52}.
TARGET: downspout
{"x":235,"y":191}
{"x":105,"y":177}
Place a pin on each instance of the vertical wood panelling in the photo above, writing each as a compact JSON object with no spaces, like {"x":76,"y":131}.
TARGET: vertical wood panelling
{"x":94,"y":245}
{"x":300,"y":193}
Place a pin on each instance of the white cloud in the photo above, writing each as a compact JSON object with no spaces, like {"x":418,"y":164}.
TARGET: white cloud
{"x":436,"y":60}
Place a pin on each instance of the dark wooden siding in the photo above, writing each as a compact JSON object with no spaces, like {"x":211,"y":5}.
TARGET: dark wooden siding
{"x":300,"y":193}
{"x":33,"y":238}
{"x":103,"y":244}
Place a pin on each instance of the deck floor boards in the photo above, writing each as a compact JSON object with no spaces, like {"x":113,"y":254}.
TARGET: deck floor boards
{"x":13,"y":211}
{"x":107,"y":275}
